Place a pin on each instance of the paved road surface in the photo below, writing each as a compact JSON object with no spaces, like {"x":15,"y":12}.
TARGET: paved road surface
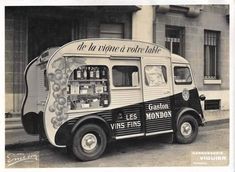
{"x":137,"y":152}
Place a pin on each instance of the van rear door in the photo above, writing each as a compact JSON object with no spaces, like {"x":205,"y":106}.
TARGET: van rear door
{"x":157,"y":92}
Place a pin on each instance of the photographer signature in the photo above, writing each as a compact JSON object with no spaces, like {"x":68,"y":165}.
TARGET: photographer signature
{"x":14,"y":158}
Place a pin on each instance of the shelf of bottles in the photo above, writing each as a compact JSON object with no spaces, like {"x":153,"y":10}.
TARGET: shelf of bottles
{"x":88,"y":88}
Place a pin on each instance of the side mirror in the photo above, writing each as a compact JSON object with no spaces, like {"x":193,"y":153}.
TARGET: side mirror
{"x":202,"y":97}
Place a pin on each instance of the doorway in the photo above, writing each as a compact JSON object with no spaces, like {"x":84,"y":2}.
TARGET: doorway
{"x":44,"y":33}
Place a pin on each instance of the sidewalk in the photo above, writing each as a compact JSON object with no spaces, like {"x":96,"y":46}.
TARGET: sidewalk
{"x":18,"y":137}
{"x":215,"y":116}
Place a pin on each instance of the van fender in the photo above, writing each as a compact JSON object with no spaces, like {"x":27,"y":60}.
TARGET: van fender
{"x":93,"y":119}
{"x":190,"y":111}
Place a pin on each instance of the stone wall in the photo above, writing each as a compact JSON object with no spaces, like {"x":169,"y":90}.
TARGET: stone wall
{"x":210,"y":18}
{"x":84,"y":25}
{"x":15,"y":59}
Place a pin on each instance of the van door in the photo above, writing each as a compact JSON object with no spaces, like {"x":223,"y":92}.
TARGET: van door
{"x":157,"y":92}
{"x":185,"y":91}
{"x":126,"y":97}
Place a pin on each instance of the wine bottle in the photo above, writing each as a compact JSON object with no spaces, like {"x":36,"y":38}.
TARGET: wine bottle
{"x":73,"y":75}
{"x":106,"y":101}
{"x":97,"y":73}
{"x":103,"y":73}
{"x":91,"y":73}
{"x":88,"y":72}
{"x":104,"y":87}
{"x":78,"y":73}
{"x":101,"y":101}
{"x":85,"y":73}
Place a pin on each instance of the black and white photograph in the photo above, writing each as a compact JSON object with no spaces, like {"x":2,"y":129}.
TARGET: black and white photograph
{"x":118,"y":85}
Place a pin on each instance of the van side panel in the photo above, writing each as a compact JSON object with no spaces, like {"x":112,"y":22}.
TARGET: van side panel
{"x":126,"y":97}
{"x":30,"y":99}
{"x":117,"y":122}
{"x":125,"y":121}
{"x":29,"y":113}
{"x":158,"y":120}
{"x":157,"y":93}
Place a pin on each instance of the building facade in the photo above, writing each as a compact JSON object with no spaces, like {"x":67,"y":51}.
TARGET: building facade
{"x":31,"y":30}
{"x":198,"y":33}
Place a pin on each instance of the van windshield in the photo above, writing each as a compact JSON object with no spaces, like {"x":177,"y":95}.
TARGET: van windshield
{"x":182,"y":75}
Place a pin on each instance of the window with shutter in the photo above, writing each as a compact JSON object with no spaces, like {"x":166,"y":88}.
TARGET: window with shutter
{"x":111,"y":31}
{"x":211,"y":45}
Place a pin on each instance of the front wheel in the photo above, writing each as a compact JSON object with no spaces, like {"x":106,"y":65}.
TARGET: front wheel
{"x":89,"y":142}
{"x":187,"y":129}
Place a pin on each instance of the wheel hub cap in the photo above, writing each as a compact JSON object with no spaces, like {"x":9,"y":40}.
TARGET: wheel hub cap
{"x":186,"y":129}
{"x":89,"y":142}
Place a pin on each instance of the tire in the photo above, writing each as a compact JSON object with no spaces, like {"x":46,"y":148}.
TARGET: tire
{"x":186,"y":129}
{"x":89,"y":142}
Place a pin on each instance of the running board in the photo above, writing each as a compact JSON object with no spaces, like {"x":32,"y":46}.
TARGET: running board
{"x":142,"y":134}
{"x":129,"y":136}
{"x":159,"y":132}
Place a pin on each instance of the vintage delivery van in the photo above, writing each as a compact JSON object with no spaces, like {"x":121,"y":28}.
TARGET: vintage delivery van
{"x":89,"y":92}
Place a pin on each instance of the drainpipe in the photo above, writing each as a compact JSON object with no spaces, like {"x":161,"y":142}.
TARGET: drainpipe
{"x":154,"y":24}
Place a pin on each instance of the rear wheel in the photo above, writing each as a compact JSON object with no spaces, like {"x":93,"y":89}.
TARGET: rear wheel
{"x":89,"y":142}
{"x":187,"y":129}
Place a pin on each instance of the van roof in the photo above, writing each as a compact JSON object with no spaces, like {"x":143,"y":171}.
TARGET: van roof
{"x":178,"y":59}
{"x":114,"y":47}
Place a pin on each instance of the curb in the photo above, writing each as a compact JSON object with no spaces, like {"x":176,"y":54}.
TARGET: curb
{"x":26,"y":144}
{"x":215,"y":122}
{"x":13,"y":126}
{"x":13,"y":123}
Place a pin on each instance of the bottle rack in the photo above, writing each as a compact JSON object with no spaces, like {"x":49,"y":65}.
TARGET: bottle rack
{"x":88,"y":87}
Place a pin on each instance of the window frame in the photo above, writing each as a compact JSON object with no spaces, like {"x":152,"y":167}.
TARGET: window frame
{"x":181,"y":39}
{"x":166,"y":79}
{"x":126,"y":87}
{"x":113,"y":33}
{"x":89,"y":81}
{"x":182,"y":83}
{"x":208,"y":39}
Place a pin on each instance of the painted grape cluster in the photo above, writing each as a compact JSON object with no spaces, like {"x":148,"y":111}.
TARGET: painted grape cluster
{"x":58,"y":82}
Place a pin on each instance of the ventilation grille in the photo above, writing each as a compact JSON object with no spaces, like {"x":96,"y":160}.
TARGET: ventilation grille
{"x":212,"y":104}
